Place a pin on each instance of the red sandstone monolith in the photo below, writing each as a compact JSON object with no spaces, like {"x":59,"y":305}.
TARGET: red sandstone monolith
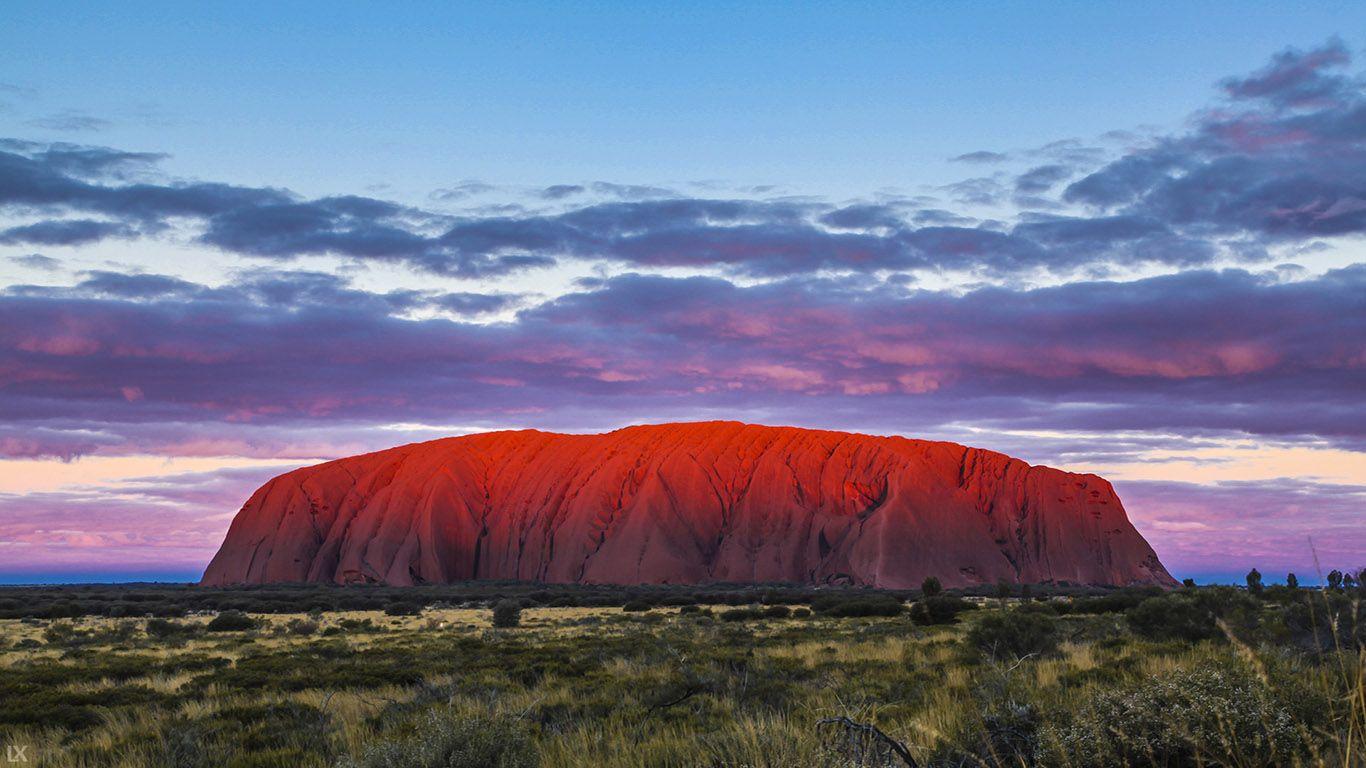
{"x":684,"y":504}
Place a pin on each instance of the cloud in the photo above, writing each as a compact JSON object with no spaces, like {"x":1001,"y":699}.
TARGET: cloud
{"x":136,"y":286}
{"x":984,"y":190}
{"x":465,"y":303}
{"x":981,"y":157}
{"x":69,"y":121}
{"x":37,"y":261}
{"x":1283,"y":160}
{"x":1041,"y":178}
{"x":1243,"y":180}
{"x":462,"y":190}
{"x":1221,"y":530}
{"x":630,"y":191}
{"x":1214,"y":352}
{"x":1297,"y":78}
{"x":167,"y":523}
{"x":46,"y":163}
{"x":66,"y":232}
{"x":1278,"y":162}
{"x":562,"y":191}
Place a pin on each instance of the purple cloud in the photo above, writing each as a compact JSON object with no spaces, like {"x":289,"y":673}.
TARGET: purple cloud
{"x":1284,"y":159}
{"x":1218,"y":532}
{"x":1228,"y":352}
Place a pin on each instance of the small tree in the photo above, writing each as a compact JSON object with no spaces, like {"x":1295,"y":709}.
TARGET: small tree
{"x":931,"y":586}
{"x":1335,"y":580}
{"x":507,"y":614}
{"x":1188,"y":583}
{"x":1291,"y":581}
{"x":1254,"y":582}
{"x":1004,"y":589}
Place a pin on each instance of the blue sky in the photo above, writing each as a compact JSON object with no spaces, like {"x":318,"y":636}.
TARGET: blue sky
{"x":830,"y":99}
{"x":237,"y":238}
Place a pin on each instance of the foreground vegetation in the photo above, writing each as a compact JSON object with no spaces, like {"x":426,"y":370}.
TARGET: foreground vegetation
{"x":520,"y":675}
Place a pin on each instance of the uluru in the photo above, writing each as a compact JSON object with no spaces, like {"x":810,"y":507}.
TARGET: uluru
{"x":682,"y":504}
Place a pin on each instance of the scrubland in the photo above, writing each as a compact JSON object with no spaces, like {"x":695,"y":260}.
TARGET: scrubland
{"x":1196,"y":677}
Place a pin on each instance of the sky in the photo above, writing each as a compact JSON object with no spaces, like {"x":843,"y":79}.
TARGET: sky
{"x":1122,"y":239}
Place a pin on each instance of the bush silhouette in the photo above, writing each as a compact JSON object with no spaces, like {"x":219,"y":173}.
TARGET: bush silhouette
{"x":943,"y":609}
{"x":931,"y":587}
{"x":231,"y":621}
{"x":1015,"y":634}
{"x":507,"y":614}
{"x":1172,"y":617}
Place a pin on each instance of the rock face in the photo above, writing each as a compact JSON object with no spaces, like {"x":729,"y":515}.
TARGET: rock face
{"x":684,"y":503}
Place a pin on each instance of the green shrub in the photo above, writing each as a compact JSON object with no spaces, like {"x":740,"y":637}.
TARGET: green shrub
{"x":231,"y":621}
{"x":1015,"y":634}
{"x":637,"y":606}
{"x":1172,"y":617}
{"x":1215,"y":715}
{"x":777,"y":612}
{"x":931,"y":587}
{"x":164,"y":629}
{"x":446,"y":740}
{"x":943,"y":609}
{"x":507,"y":614}
{"x":302,"y":627}
{"x":403,"y":609}
{"x":59,"y":633}
{"x":1115,"y":602}
{"x":861,"y":605}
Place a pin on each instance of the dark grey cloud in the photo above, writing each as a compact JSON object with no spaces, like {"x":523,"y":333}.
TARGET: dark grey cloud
{"x":137,"y":286}
{"x":37,"y":261}
{"x":1041,"y":178}
{"x":462,"y":190}
{"x":47,"y":162}
{"x":561,"y":191}
{"x":863,"y":216}
{"x":471,"y":304}
{"x":65,"y":232}
{"x":1071,"y":152}
{"x":1283,"y":161}
{"x":1121,"y":239}
{"x":981,"y":157}
{"x":1297,"y":78}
